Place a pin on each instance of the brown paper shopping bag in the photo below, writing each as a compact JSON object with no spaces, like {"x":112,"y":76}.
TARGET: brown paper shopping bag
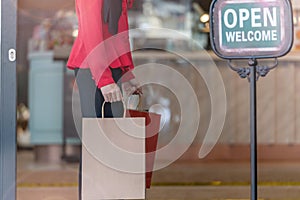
{"x":113,"y":158}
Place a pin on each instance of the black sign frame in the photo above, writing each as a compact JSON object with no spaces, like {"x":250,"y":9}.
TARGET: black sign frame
{"x":241,"y":53}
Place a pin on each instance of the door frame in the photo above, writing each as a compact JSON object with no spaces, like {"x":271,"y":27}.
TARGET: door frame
{"x":8,"y":94}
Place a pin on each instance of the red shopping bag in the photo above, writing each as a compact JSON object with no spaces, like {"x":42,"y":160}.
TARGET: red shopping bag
{"x":152,"y":128}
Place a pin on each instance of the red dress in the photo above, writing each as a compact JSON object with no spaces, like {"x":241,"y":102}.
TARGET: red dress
{"x":95,"y":48}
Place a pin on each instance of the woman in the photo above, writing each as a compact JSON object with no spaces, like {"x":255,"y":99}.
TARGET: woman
{"x":95,"y":50}
{"x":101,"y":56}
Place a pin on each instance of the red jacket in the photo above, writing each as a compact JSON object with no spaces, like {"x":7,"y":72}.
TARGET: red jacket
{"x":95,"y":47}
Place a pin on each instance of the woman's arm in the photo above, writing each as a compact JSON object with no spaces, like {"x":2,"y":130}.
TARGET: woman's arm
{"x":91,"y":30}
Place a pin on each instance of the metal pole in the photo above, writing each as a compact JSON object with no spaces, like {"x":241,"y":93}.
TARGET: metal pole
{"x":253,"y":128}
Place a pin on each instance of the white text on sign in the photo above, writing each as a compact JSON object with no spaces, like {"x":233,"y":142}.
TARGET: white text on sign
{"x":247,"y":24}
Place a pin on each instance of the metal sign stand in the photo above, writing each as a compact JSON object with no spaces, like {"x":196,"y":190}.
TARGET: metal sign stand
{"x":252,"y":73}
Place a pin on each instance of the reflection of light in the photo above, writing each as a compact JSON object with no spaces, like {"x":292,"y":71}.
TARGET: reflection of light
{"x":75,"y":33}
{"x":204,"y":18}
{"x":165,"y":113}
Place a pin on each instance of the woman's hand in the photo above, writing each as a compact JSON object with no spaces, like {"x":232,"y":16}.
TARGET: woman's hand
{"x":111,"y":93}
{"x":131,"y":87}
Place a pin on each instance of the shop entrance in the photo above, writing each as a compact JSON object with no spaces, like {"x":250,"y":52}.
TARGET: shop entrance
{"x":8,"y":100}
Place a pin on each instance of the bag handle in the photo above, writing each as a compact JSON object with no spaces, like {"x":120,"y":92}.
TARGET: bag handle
{"x":124,"y":109}
{"x":139,"y":106}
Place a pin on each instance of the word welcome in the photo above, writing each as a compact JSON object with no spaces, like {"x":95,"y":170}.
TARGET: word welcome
{"x":250,"y":36}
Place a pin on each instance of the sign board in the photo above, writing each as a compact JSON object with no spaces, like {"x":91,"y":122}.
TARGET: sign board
{"x":251,"y":28}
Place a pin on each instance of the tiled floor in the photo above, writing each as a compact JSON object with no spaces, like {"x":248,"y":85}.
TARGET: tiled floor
{"x":182,"y":180}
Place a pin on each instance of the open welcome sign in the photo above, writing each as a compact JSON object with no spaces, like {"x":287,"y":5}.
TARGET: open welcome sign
{"x":251,"y":28}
